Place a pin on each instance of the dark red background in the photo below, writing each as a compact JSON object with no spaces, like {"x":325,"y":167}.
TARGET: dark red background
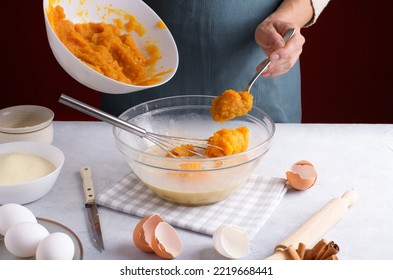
{"x":346,"y":64}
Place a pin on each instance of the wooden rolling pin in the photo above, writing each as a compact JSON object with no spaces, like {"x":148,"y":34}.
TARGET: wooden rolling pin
{"x":314,"y":228}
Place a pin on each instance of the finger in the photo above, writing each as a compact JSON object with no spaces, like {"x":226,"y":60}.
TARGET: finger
{"x":283,"y":59}
{"x":277,"y":70}
{"x":292,"y":48}
{"x":267,"y":37}
{"x":280,"y":67}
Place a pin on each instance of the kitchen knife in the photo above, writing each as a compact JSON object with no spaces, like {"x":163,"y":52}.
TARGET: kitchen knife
{"x":91,"y":208}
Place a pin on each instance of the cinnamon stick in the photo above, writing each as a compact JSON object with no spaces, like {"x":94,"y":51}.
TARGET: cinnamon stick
{"x":280,"y":247}
{"x":332,"y":258}
{"x":291,"y":254}
{"x":331,"y":249}
{"x":301,"y":250}
{"x":318,"y":248}
{"x":321,"y":251}
{"x":308,"y":254}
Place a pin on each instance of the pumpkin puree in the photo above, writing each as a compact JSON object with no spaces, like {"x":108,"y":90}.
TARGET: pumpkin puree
{"x":224,"y":142}
{"x":182,"y":151}
{"x":161,"y":25}
{"x":231,"y":104}
{"x":102,"y":47}
{"x":230,"y":141}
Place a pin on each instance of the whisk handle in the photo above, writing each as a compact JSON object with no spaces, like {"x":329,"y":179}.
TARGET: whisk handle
{"x":101,"y":115}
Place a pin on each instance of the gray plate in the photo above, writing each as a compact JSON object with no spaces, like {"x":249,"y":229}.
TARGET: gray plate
{"x":51,"y":226}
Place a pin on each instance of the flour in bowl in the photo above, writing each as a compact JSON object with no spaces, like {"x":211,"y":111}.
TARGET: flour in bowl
{"x":19,"y":167}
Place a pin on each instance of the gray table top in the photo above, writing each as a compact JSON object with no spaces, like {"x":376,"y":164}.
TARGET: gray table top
{"x":346,"y":156}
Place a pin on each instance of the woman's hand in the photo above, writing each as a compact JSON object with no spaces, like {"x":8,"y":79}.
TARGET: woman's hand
{"x":269,"y":36}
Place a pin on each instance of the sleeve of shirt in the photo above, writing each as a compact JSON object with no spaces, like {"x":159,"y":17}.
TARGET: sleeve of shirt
{"x":318,"y":6}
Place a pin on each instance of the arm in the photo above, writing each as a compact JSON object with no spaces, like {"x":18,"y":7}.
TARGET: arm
{"x":268,"y":35}
{"x":297,"y":12}
{"x":318,"y":6}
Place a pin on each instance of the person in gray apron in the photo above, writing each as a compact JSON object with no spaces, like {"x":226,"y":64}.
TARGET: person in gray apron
{"x":222,"y":42}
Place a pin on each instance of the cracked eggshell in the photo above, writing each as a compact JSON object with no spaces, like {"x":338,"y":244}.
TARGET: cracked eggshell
{"x":165,"y":241}
{"x":231,"y":241}
{"x":143,"y":232}
{"x":301,"y":175}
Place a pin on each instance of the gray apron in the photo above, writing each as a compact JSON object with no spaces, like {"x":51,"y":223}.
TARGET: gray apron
{"x":217,"y":51}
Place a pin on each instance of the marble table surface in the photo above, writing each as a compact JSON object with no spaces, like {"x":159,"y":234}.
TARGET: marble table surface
{"x":346,"y":156}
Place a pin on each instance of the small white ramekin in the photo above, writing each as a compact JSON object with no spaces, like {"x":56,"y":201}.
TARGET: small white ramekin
{"x":26,"y":123}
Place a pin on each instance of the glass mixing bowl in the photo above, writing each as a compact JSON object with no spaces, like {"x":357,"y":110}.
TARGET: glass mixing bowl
{"x":176,"y":179}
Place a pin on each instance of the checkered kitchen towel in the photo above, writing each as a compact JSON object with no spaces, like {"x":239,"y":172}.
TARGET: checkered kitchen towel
{"x":248,"y":207}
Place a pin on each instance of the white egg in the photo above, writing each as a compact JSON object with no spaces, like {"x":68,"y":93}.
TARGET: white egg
{"x":56,"y":246}
{"x":231,"y":241}
{"x":22,"y":239}
{"x":11,"y":214}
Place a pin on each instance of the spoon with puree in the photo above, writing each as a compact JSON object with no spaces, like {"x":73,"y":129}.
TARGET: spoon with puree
{"x":231,"y":104}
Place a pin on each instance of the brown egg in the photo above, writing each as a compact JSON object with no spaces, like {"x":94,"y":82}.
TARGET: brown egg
{"x":143,"y":232}
{"x":165,"y":241}
{"x":301,"y":175}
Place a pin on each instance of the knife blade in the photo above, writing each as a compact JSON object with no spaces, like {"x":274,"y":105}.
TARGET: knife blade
{"x":91,"y":207}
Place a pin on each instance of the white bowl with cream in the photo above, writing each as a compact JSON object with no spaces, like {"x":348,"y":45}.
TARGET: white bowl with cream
{"x":26,"y":123}
{"x":28,"y":171}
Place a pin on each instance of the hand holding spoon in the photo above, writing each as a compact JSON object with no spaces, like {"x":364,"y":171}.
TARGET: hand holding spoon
{"x":231,"y":104}
{"x":288,"y":35}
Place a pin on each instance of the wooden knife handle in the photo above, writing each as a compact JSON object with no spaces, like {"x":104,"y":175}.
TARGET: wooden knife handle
{"x":316,"y":226}
{"x":88,"y":188}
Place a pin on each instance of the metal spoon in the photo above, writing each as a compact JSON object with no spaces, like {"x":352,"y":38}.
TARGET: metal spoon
{"x":288,"y":35}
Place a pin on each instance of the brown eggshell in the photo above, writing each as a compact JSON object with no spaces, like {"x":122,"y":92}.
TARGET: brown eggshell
{"x":301,"y":175}
{"x":143,"y":232}
{"x":166,"y":243}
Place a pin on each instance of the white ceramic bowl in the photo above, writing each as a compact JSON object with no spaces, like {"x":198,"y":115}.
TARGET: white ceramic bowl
{"x":26,"y":123}
{"x":189,"y":116}
{"x":94,"y":11}
{"x":30,"y":191}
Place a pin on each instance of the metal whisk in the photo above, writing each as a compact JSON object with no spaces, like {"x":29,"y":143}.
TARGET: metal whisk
{"x":167,"y":143}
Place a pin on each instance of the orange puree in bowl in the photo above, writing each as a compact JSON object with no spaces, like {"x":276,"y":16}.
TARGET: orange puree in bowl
{"x":182,"y":151}
{"x":102,"y":47}
{"x":231,"y":104}
{"x":230,"y":141}
{"x":161,"y":25}
{"x":224,"y":142}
